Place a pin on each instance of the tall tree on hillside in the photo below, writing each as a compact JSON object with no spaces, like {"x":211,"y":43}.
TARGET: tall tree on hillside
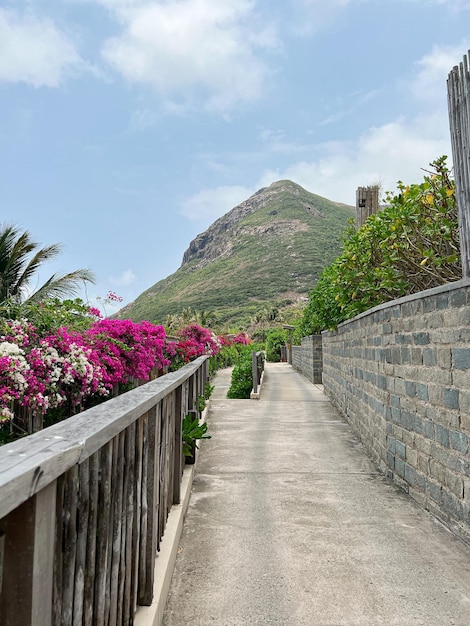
{"x":20,"y":259}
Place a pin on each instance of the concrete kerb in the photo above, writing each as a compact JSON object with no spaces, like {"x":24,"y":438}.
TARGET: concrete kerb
{"x":165,"y":562}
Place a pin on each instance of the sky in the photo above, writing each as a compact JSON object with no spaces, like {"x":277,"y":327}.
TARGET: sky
{"x":128,"y":126}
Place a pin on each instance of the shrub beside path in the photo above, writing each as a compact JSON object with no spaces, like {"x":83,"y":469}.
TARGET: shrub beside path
{"x":291,"y":524}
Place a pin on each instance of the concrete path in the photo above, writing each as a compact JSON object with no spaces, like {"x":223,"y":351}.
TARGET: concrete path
{"x":290,"y":523}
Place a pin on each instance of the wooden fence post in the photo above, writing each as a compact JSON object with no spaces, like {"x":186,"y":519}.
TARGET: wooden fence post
{"x":458,"y":92}
{"x":28,"y":561}
{"x":367,"y":203}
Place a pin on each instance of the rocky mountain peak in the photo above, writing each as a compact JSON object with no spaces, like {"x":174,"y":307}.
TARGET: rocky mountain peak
{"x":216,"y":241}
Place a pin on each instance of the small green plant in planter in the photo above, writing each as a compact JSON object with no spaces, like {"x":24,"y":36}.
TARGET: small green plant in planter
{"x":192,"y":431}
{"x":201,"y":403}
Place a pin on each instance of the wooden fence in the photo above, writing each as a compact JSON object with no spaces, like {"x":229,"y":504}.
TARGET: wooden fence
{"x":458,"y":90}
{"x":84,"y":503}
{"x":367,"y":203}
{"x":257,"y":369}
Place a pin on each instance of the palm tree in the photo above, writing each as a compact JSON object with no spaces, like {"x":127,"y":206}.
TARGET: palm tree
{"x":20,"y":259}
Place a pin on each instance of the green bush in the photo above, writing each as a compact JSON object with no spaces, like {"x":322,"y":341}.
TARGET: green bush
{"x":275,"y":339}
{"x":225,"y":358}
{"x":409,"y":246}
{"x":242,"y":379}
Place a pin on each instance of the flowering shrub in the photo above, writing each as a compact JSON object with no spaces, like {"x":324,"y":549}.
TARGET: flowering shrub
{"x":13,"y":376}
{"x":127,"y":349}
{"x":74,"y":369}
{"x":66,"y":367}
{"x":71,"y":366}
{"x":241,"y":339}
{"x":194,"y":341}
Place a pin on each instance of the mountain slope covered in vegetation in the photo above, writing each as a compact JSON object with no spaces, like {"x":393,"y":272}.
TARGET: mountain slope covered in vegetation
{"x":269,"y":250}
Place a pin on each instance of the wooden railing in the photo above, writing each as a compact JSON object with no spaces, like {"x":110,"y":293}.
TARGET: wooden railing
{"x":257,"y":360}
{"x":84,"y":503}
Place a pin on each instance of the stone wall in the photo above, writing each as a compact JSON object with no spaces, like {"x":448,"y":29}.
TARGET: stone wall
{"x":307,"y":358}
{"x":400,"y":374}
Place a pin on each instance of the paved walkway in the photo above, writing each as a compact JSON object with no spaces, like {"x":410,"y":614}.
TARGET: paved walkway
{"x":290,"y":523}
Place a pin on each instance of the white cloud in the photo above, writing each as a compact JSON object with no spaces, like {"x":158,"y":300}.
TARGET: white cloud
{"x":397,"y":150}
{"x":126,"y":278}
{"x":182,"y":47}
{"x":383,"y":155}
{"x":430,"y":82}
{"x":35,"y":51}
{"x":209,"y":204}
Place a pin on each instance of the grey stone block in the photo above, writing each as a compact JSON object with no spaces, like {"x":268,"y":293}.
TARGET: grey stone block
{"x":451,"y":504}
{"x":420,"y":482}
{"x":421,"y":339}
{"x":461,"y":358}
{"x":400,"y":467}
{"x":416,"y":356}
{"x":410,"y":475}
{"x":458,"y":298}
{"x":442,"y":435}
{"x":458,"y":441}
{"x":400,"y":449}
{"x":381,"y":381}
{"x":430,"y":357}
{"x":442,"y":301}
{"x":451,"y":398}
{"x":405,"y":355}
{"x":434,"y":490}
{"x":429,"y":305}
{"x":394,"y":400}
{"x":428,"y":429}
{"x":422,"y":392}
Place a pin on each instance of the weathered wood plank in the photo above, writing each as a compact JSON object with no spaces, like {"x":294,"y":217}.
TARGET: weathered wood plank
{"x":144,"y":511}
{"x":178,"y":459}
{"x":458,"y":89}
{"x":58,"y":552}
{"x":126,"y":545}
{"x":69,"y":516}
{"x":134,"y":513}
{"x":28,"y":559}
{"x":82,"y":536}
{"x":102,"y":540}
{"x":89,"y":581}
{"x":109,"y":550}
{"x":150,"y":496}
{"x":44,"y":543}
{"x":116,"y":527}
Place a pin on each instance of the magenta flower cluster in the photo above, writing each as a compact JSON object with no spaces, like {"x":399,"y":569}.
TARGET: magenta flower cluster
{"x":70,"y":366}
{"x":194,"y":341}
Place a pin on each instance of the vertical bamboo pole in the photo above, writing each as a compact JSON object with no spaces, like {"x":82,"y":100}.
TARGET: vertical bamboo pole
{"x":458,"y":91}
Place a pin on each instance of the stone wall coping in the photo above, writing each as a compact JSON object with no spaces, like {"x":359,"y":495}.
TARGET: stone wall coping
{"x":453,"y":286}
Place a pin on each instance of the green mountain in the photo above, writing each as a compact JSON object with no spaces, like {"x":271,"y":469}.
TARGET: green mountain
{"x":268,"y":250}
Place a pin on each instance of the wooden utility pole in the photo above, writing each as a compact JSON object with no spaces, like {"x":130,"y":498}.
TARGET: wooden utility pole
{"x":458,"y":91}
